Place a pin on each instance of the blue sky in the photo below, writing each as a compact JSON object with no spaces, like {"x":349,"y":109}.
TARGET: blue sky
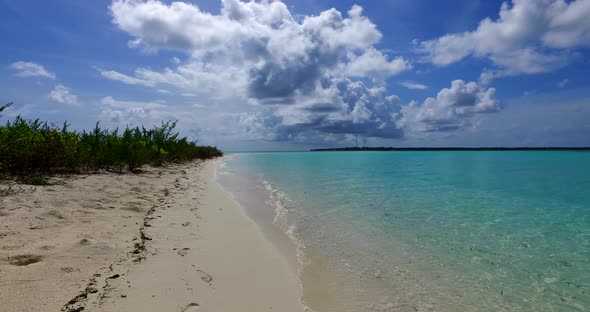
{"x":298,"y":74}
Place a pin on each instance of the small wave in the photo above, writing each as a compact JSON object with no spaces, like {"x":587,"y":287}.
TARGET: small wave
{"x":221,"y":167}
{"x":281,"y":202}
{"x":277,"y":199}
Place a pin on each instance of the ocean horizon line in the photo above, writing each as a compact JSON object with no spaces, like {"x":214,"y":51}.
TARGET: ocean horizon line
{"x":448,"y":148}
{"x":421,"y":148}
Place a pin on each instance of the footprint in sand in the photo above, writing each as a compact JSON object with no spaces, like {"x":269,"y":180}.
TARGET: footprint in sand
{"x":22,"y":260}
{"x":93,"y":205}
{"x":133,"y":209}
{"x":183,"y":251}
{"x":206,"y":277}
{"x":67,"y":269}
{"x":192,"y":307}
{"x":6,"y":233}
{"x":55,"y":214}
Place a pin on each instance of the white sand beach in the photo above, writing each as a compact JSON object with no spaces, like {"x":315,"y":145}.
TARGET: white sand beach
{"x":168,"y":239}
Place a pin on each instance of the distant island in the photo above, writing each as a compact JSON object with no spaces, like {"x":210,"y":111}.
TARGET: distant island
{"x":418,"y":149}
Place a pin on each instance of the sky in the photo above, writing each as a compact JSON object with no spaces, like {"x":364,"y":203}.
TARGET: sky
{"x":300,"y":74}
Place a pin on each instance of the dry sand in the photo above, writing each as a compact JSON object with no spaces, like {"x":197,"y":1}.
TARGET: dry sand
{"x":169,"y":239}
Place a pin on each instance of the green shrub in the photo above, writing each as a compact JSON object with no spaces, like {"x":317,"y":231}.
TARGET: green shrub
{"x":29,"y":147}
{"x":34,"y":180}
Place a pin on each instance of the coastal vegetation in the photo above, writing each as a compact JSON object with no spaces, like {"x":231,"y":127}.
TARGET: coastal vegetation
{"x":30,"y":149}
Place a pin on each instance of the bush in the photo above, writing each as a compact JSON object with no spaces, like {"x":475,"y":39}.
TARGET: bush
{"x":29,"y":147}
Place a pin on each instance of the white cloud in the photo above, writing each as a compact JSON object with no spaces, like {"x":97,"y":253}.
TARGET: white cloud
{"x":114,"y":75}
{"x":133,"y":113}
{"x":259,"y":52}
{"x":341,"y":107}
{"x":413,"y":85}
{"x":527,"y":38}
{"x":252,"y":126}
{"x":375,"y":64}
{"x":570,"y":25}
{"x":296,"y":73}
{"x":257,"y":39}
{"x":63,"y":95}
{"x":453,"y":108}
{"x":30,"y":69}
{"x":193,"y":77}
{"x":563,"y":83}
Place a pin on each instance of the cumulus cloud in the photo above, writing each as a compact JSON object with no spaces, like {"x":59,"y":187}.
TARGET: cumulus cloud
{"x":375,"y":64}
{"x":132,"y":113}
{"x":63,"y":95}
{"x":413,"y":85}
{"x":252,"y":126}
{"x":570,"y":26}
{"x":306,"y":79}
{"x":528,"y":37}
{"x":299,"y":69}
{"x":30,"y":69}
{"x":344,"y":107}
{"x":453,"y":108}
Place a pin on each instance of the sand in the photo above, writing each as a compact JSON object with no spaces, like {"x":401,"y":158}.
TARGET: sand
{"x":169,"y":239}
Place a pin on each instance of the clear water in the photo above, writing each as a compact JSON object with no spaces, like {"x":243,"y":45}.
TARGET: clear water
{"x":434,"y":231}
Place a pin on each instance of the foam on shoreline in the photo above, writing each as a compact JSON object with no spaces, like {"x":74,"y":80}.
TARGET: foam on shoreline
{"x":269,"y":209}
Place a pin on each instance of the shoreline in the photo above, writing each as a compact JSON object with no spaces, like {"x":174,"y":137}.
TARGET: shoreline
{"x":259,"y":204}
{"x":444,"y":232}
{"x":270,"y":209}
{"x":190,"y":247}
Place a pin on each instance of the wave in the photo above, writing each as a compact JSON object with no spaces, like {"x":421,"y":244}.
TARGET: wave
{"x":281,"y":202}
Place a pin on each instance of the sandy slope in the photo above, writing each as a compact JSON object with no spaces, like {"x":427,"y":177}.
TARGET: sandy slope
{"x":207,"y":255}
{"x":54,"y":238}
{"x":166,"y":240}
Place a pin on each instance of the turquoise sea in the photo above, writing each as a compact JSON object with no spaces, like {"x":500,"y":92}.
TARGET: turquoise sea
{"x":429,"y":231}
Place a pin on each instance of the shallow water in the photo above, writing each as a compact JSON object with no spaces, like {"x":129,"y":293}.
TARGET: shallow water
{"x":432,"y":231}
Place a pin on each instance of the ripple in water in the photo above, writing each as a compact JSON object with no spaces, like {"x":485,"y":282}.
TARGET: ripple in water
{"x":434,"y":231}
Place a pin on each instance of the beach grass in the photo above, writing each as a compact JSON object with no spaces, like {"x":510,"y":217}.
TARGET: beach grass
{"x":30,"y":149}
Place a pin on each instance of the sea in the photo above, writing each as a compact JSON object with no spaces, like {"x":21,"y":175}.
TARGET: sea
{"x":425,"y":230}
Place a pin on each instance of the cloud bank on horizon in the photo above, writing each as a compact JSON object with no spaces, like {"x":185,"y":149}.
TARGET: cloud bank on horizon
{"x":263,"y":72}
